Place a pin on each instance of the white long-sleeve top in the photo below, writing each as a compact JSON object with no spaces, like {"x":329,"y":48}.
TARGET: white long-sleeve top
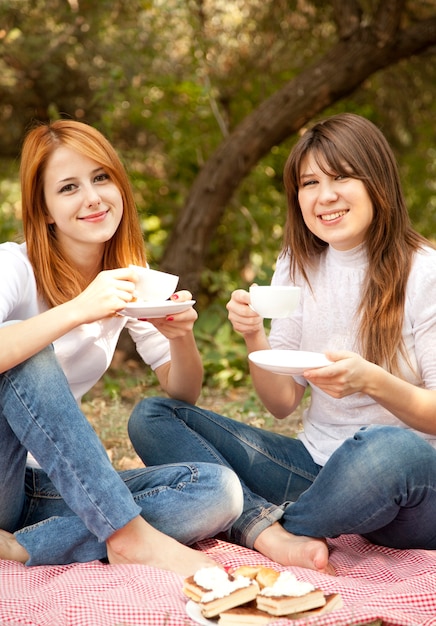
{"x":326,"y":321}
{"x":85,"y":352}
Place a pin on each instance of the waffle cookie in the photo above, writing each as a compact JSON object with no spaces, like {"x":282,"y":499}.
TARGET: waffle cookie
{"x":246,"y":615}
{"x":250,"y":615}
{"x":255,"y":595}
{"x":216,"y":591}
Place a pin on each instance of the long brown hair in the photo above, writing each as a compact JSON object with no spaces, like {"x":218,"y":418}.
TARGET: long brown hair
{"x":350,"y":145}
{"x":57,"y":280}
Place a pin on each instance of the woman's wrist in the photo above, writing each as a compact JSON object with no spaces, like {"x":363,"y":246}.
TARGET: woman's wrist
{"x":256,"y":341}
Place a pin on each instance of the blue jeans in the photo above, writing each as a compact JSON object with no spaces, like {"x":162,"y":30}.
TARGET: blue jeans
{"x":381,"y":483}
{"x":68,"y":509}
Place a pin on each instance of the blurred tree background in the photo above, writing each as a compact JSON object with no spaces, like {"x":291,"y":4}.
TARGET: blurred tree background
{"x":203,"y":100}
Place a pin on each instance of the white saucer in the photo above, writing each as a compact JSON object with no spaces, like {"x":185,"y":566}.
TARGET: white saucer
{"x":193,"y":610}
{"x":150,"y":310}
{"x":288,"y":361}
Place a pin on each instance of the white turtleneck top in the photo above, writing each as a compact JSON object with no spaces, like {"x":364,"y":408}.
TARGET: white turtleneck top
{"x":326,"y":320}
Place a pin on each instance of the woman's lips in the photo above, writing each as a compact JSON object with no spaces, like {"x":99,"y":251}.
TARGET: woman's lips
{"x":330,"y":217}
{"x":95,"y":217}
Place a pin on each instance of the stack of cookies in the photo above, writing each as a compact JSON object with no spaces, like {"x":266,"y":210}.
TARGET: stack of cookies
{"x":254,"y":595}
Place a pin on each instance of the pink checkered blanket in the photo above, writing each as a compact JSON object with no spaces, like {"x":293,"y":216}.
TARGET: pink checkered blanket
{"x":397,"y":587}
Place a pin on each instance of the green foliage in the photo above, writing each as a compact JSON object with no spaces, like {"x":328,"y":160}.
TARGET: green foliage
{"x":224,"y":354}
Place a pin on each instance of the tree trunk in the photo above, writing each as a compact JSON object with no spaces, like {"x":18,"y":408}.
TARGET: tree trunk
{"x":361,"y":50}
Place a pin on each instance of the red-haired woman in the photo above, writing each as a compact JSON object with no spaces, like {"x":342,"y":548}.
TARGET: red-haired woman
{"x":60,"y":294}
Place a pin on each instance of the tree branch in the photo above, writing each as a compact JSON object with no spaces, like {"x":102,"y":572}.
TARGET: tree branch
{"x":347,"y":17}
{"x":344,"y":68}
{"x":387,"y":19}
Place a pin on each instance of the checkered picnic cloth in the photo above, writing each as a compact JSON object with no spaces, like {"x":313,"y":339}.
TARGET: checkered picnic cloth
{"x":397,"y":587}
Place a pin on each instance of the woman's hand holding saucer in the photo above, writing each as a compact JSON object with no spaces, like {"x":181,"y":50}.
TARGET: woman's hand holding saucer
{"x":350,"y":373}
{"x":176,"y":325}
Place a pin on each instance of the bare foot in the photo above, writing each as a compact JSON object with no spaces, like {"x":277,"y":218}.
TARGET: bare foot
{"x":287,"y":549}
{"x":138,"y":542}
{"x":10,"y":549}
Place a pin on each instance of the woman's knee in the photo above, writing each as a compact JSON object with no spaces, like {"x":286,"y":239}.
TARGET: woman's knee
{"x":38,"y":369}
{"x":400,"y":449}
{"x":151,"y":419}
{"x":227,"y":490}
{"x":146,"y":410}
{"x":391,"y":438}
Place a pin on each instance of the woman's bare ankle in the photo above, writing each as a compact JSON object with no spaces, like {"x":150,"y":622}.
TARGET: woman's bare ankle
{"x":140,"y":543}
{"x":10,"y":549}
{"x":287,"y":549}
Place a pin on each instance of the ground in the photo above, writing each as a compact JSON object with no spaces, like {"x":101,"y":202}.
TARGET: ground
{"x":109,"y":404}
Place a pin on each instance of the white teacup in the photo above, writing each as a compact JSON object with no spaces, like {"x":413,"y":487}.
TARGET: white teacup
{"x":274,"y":300}
{"x":153,"y":285}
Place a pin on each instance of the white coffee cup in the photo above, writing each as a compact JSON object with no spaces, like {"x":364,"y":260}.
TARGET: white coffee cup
{"x":153,"y":285}
{"x":274,"y":301}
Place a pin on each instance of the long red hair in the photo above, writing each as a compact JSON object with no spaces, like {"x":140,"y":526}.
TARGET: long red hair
{"x":57,"y":280}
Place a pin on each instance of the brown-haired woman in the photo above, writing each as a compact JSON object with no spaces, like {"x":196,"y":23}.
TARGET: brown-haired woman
{"x":60,"y":294}
{"x":365,"y":461}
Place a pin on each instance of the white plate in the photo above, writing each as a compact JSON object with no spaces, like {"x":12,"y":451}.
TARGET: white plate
{"x":150,"y":310}
{"x":193,"y":610}
{"x":288,"y":361}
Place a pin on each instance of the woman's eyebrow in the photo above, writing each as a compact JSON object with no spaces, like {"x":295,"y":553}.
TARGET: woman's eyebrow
{"x":307,"y":175}
{"x":94,"y":171}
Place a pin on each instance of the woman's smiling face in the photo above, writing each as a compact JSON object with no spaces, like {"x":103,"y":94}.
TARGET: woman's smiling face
{"x":335,"y":208}
{"x":83,"y":203}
